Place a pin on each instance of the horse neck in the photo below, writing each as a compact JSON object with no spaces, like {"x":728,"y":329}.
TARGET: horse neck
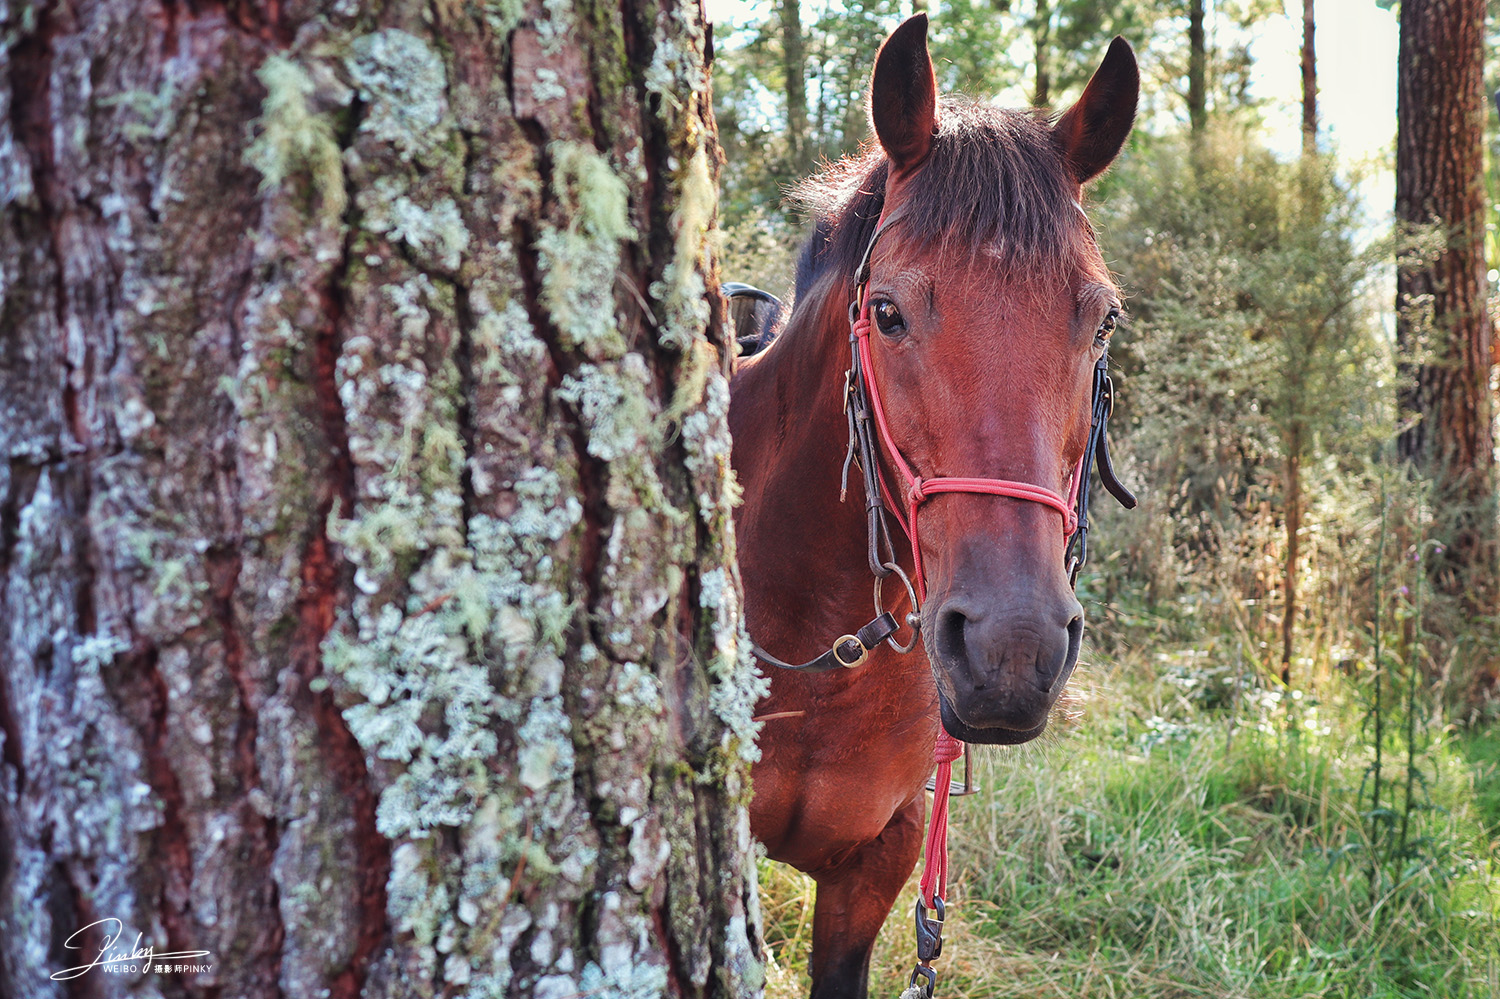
{"x":803,"y":551}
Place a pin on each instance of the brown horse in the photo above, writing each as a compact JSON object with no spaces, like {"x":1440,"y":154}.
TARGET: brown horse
{"x":988,"y":310}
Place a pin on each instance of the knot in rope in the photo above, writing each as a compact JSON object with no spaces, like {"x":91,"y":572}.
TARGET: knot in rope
{"x":917,"y":491}
{"x":947,"y":749}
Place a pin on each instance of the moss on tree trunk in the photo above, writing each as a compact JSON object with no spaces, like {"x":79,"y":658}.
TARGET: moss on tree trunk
{"x":368,"y":611}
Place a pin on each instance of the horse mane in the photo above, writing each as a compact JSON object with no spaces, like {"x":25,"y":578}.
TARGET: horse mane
{"x":994,"y":182}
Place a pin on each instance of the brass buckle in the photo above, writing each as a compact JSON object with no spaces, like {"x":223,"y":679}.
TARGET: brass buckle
{"x":864,"y":653}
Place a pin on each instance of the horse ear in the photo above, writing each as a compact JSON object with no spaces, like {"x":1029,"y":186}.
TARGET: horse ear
{"x":903,"y":95}
{"x":1091,"y":132}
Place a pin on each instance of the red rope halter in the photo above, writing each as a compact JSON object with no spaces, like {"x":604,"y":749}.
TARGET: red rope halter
{"x":919,"y":489}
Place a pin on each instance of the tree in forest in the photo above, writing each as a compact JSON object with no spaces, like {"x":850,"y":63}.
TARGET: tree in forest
{"x":368,"y":609}
{"x":1309,"y":66}
{"x":1442,"y":324}
{"x":789,"y":92}
{"x":794,"y":67}
{"x":1247,"y":332}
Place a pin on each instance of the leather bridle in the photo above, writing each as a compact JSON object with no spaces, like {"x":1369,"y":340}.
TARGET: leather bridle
{"x":868,"y":431}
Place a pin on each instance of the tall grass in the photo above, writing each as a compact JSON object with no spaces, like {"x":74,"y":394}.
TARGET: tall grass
{"x":1193,"y":834}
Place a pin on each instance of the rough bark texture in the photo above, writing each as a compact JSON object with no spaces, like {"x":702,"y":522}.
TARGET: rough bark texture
{"x":1442,"y":325}
{"x":368,"y":615}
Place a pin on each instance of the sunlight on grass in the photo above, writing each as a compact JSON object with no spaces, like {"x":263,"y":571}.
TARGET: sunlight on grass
{"x":1172,"y":843}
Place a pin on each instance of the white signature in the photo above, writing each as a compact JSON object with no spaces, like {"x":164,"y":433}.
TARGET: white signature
{"x":145,"y":955}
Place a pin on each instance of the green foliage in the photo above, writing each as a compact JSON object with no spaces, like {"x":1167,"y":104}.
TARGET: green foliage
{"x":840,"y":42}
{"x":1020,"y":50}
{"x":1252,"y":329}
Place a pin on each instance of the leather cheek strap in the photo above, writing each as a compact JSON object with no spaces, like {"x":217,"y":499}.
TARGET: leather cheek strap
{"x":847,"y":652}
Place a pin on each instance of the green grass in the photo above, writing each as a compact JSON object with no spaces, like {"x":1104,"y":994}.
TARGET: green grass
{"x":1170,"y":844}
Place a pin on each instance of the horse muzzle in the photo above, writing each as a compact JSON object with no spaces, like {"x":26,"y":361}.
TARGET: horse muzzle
{"x":1002,"y":660}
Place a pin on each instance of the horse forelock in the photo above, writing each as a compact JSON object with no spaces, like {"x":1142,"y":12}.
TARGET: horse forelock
{"x":994,"y":184}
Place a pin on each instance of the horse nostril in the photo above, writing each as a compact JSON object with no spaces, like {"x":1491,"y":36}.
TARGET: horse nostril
{"x":1074,"y":635}
{"x":951,"y":644}
{"x":1075,"y":642}
{"x":1075,"y":630}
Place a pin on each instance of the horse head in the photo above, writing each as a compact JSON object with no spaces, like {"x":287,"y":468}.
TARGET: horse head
{"x":988,"y":307}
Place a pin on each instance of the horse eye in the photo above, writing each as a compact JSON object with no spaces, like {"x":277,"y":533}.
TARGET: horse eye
{"x":1108,"y":326}
{"x":888,"y":318}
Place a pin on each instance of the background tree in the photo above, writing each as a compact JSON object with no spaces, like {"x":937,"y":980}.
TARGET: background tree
{"x":794,"y":66}
{"x":1197,"y":75}
{"x":368,"y":615}
{"x":1244,"y":364}
{"x":1309,"y":66}
{"x":1442,"y":323}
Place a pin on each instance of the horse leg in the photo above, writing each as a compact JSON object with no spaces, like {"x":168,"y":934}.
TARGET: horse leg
{"x":853,"y":901}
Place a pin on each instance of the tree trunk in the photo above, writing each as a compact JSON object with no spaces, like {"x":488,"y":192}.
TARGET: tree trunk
{"x":1197,"y":97}
{"x":368,"y":615}
{"x":1442,"y":325}
{"x":1309,"y":82}
{"x":1041,"y":38}
{"x":794,"y":66}
{"x":1293,"y":472}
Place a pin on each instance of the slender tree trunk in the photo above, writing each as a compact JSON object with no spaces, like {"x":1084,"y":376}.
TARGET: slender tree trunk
{"x":1293,"y":485}
{"x":1197,"y":97}
{"x":1309,"y":82}
{"x":1041,"y":37}
{"x":794,"y":66}
{"x":1442,"y":324}
{"x":1294,"y":441}
{"x":368,"y":616}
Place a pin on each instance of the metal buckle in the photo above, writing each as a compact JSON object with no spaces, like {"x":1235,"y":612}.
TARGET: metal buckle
{"x":864,"y":653}
{"x":930,"y":986}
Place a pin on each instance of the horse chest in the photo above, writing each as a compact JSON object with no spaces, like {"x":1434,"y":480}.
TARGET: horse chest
{"x":838,"y":760}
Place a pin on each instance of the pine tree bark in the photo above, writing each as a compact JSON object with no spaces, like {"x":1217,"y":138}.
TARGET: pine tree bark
{"x":368,"y":612}
{"x":1442,"y":325}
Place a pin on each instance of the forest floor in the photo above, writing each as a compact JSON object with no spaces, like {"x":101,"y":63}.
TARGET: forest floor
{"x":1186,"y":833}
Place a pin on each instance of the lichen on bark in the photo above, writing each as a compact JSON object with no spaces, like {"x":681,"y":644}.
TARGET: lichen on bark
{"x":365,"y":541}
